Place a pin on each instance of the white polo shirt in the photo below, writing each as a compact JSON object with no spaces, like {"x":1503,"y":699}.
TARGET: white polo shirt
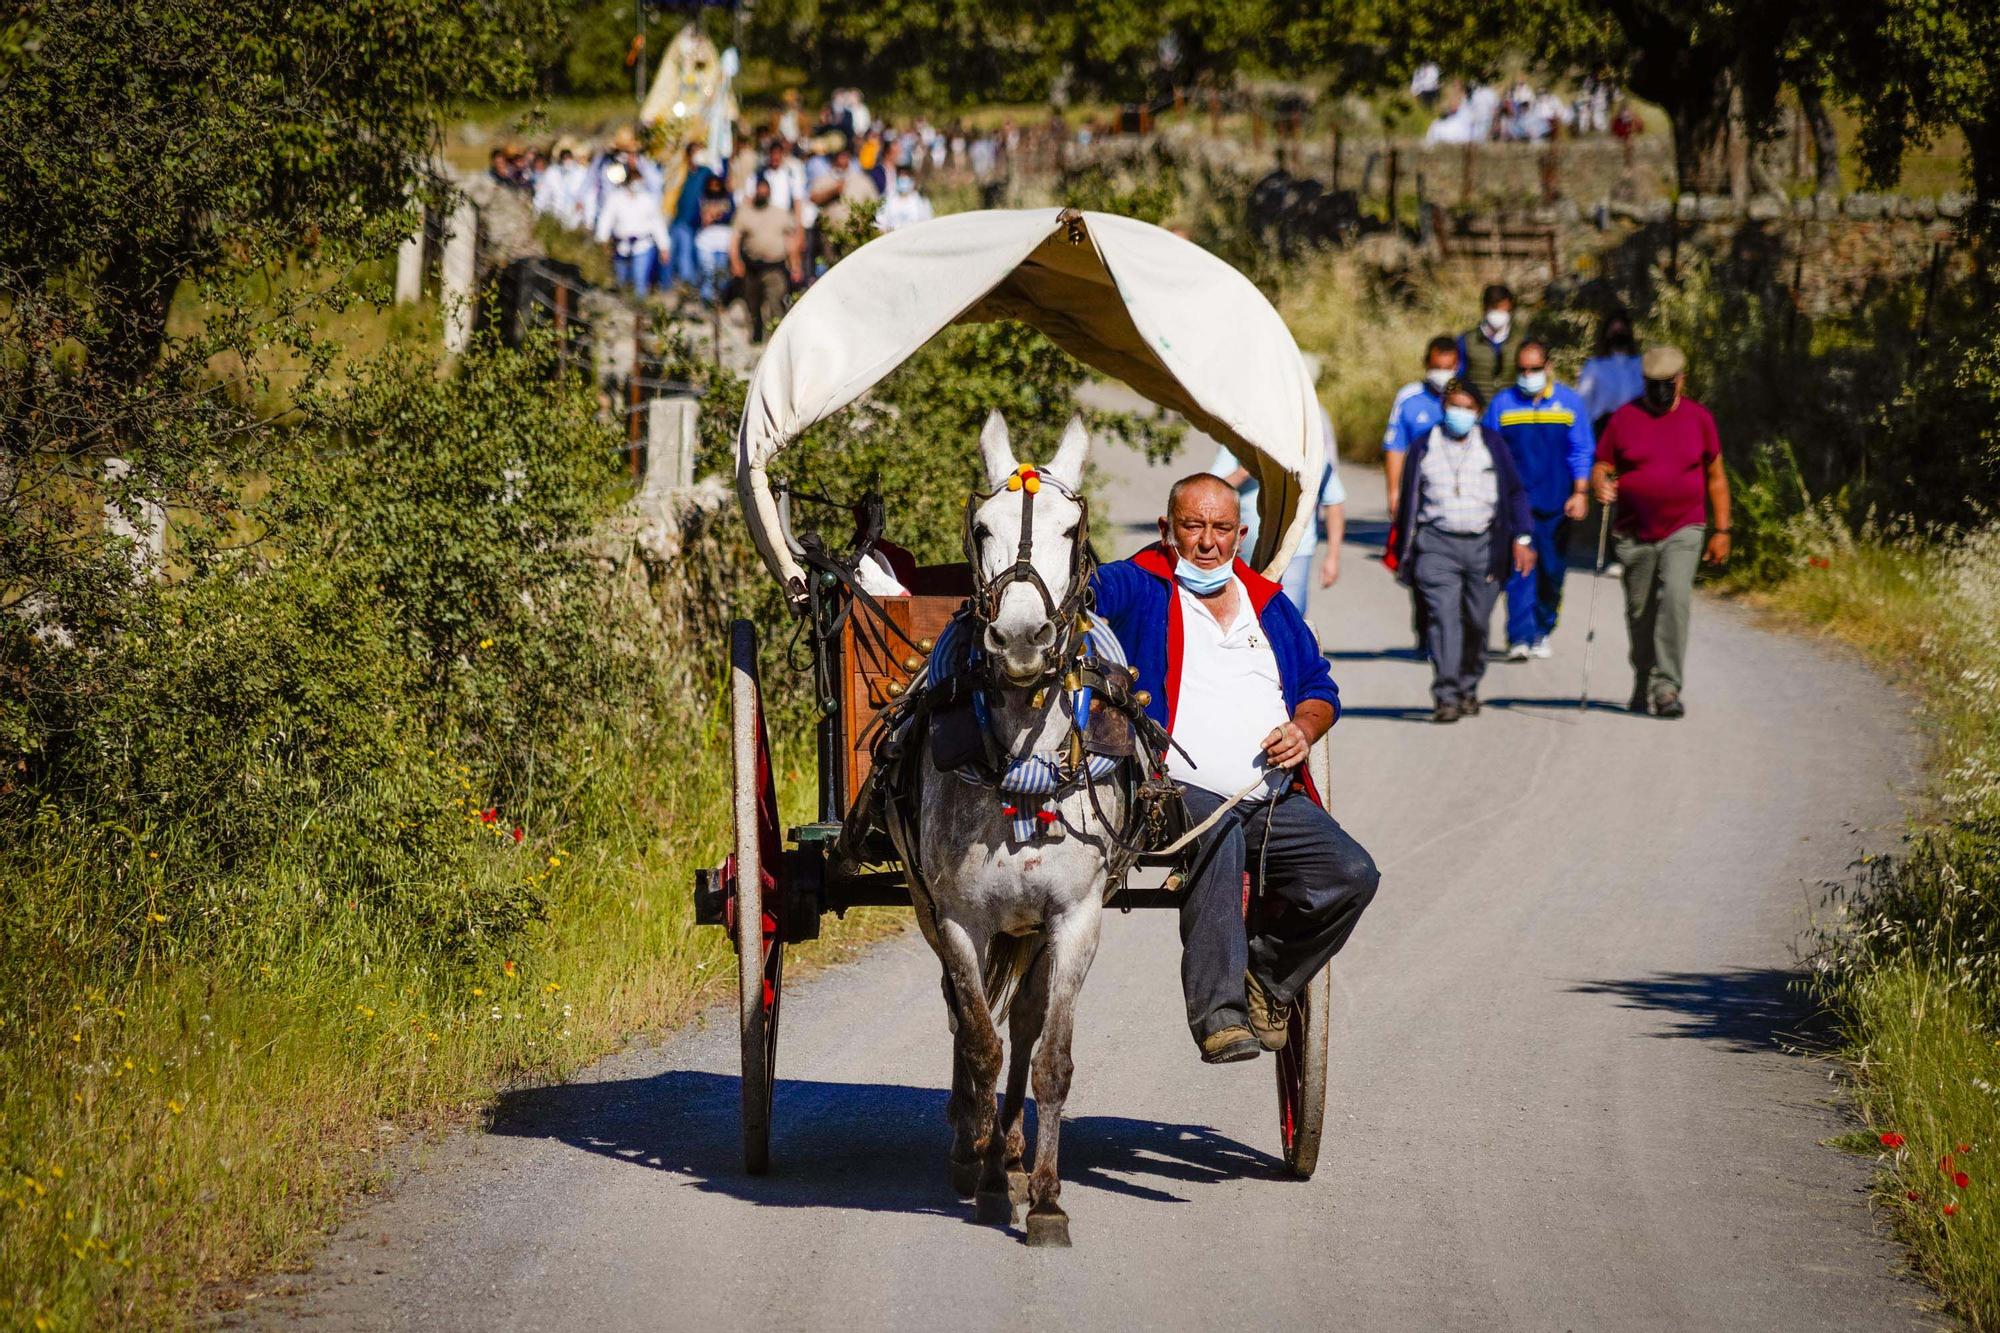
{"x":1231,"y":697}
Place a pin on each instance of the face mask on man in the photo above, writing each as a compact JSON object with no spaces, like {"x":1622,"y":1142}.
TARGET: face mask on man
{"x":1660,"y":394}
{"x":1621,"y":342}
{"x":1201,"y":582}
{"x":1459,"y":421}
{"x":1498,"y":322}
{"x":1438,"y":377}
{"x":1532,"y":382}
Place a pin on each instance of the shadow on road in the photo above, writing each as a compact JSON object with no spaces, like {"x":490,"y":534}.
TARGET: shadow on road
{"x":1751,"y":1009}
{"x":1422,"y":713}
{"x":880,"y":1147}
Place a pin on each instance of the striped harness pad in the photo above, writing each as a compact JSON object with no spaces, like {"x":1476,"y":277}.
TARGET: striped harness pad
{"x":1041,"y":775}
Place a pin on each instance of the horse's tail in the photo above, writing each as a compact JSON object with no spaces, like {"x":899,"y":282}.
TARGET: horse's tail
{"x":1008,"y":959}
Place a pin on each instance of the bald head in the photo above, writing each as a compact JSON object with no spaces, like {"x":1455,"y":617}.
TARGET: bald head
{"x":1202,"y":489}
{"x":1204,"y":521}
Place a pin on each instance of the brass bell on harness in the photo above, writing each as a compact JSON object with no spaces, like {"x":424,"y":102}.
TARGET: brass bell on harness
{"x":912,"y":662}
{"x":925,"y":645}
{"x":1133,"y":672}
{"x":1072,"y":682}
{"x":895,"y":689}
{"x":1142,"y":697}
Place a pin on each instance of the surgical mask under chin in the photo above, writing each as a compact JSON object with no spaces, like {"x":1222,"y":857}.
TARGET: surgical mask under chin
{"x":1498,"y":322}
{"x":1201,"y":582}
{"x":1437,"y":378}
{"x":1533,"y":381}
{"x":1459,"y":421}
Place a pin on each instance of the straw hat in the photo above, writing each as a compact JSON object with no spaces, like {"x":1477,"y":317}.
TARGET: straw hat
{"x":1663,"y":363}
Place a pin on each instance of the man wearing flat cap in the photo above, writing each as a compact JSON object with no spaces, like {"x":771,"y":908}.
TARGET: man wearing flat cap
{"x":1659,"y":461}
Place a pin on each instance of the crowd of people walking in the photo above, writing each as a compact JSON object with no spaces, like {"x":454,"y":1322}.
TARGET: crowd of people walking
{"x":1491,"y":464}
{"x":756,"y":224}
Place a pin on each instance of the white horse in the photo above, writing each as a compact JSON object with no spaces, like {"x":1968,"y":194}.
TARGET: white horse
{"x":1015,"y":920}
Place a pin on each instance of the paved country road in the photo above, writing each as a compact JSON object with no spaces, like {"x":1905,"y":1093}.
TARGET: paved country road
{"x":1558,"y":1100}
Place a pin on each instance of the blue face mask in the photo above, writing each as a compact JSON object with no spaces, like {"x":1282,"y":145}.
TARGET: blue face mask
{"x":1201,"y":582}
{"x":1459,"y":421}
{"x":1533,"y":381}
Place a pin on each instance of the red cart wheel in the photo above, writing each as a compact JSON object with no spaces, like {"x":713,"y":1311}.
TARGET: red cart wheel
{"x":754,"y":908}
{"x":1302,"y":1076}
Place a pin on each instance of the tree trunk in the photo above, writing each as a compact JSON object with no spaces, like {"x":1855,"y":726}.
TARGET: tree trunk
{"x":1826,"y":141}
{"x":1700,"y":110}
{"x":140,"y":293}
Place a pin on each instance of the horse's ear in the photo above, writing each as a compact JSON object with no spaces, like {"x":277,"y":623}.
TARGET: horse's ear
{"x":996,"y":449}
{"x":1067,"y":466}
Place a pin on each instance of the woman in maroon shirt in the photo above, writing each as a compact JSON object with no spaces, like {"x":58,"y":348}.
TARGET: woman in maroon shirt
{"x":1660,"y":461}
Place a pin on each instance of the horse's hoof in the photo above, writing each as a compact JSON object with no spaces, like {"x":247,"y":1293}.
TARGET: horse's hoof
{"x":964,"y":1178}
{"x":1017,"y":1186}
{"x":1048,"y":1229}
{"x":993,"y":1208}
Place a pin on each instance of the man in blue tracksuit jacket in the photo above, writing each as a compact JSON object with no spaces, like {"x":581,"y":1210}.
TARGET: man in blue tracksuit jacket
{"x":1229,"y":660}
{"x":1547,"y":429}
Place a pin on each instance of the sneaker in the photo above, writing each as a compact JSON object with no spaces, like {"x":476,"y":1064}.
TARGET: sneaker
{"x":1271,"y":1021}
{"x":1640,"y":704}
{"x":1540,"y":648}
{"x":1227,"y":1045}
{"x":1518,"y":652}
{"x":1667,"y":703}
{"x":1447,"y":712}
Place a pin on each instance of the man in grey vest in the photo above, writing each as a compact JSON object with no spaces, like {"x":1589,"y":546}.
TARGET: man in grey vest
{"x":1487,"y":350}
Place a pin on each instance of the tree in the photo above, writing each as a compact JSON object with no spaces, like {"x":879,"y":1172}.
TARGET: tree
{"x":243,"y":156}
{"x":1913,"y":68}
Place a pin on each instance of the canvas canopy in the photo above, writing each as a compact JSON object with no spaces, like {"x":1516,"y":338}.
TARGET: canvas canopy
{"x":1160,"y":313}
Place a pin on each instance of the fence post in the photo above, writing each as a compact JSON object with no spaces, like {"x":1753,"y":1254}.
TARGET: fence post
{"x":148,"y":535}
{"x":672,"y":437}
{"x":1336,"y":159}
{"x":632,"y":409}
{"x":1395,"y":167}
{"x":410,"y":264}
{"x":457,"y":274}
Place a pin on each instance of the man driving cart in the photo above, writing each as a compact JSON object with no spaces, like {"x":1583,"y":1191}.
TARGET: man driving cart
{"x":1236,"y":677}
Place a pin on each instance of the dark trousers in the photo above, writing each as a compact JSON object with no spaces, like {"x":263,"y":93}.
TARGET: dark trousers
{"x":1316,"y":881}
{"x":1534,"y":599}
{"x":765,"y":287}
{"x":1453,"y":572}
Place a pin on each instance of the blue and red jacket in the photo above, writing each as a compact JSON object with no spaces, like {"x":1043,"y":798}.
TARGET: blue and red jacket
{"x":1139,"y":598}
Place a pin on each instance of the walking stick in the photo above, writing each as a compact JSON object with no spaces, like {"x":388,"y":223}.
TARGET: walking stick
{"x":1590,"y":620}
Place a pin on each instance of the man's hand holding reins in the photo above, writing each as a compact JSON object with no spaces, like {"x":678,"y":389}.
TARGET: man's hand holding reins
{"x":1289,"y":743}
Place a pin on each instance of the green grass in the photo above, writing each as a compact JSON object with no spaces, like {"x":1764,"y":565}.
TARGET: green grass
{"x":1910,"y":963}
{"x":171,"y":1132}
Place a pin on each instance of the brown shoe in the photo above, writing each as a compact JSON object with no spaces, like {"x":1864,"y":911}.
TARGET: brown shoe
{"x":1271,"y":1021}
{"x":1469,"y":706}
{"x":1446,"y":712}
{"x":1227,"y":1045}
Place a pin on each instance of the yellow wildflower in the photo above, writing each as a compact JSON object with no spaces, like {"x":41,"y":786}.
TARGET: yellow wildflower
{"x":175,"y":1106}
{"x":486,"y":643}
{"x":155,"y":917}
{"x":478,"y":991}
{"x":552,"y":988}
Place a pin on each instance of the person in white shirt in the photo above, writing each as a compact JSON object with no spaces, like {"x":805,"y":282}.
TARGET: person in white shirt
{"x":634,"y":228}
{"x":904,"y":205}
{"x":1329,"y":511}
{"x":564,"y":193}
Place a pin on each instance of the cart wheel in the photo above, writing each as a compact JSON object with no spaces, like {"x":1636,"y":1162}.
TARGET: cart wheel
{"x":760,"y":948}
{"x":1302,"y":1075}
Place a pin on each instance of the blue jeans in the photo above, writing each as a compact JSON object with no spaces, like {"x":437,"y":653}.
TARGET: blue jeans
{"x":714,"y":268}
{"x":1317,"y":882}
{"x":681,"y":234}
{"x":1534,"y":599}
{"x":634,"y":272}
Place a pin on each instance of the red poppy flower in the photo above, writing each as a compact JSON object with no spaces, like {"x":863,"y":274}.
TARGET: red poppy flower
{"x":1912,"y":1196}
{"x":1892,"y":1140}
{"x":517,"y":835}
{"x":1951,"y":1210}
{"x":489,"y":816}
{"x":1945,"y":1163}
{"x":1819,"y":562}
{"x":1961,"y":1180}
{"x":1965,"y":1147}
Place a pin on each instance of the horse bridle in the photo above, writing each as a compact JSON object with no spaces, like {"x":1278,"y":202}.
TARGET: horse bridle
{"x":986,"y":593}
